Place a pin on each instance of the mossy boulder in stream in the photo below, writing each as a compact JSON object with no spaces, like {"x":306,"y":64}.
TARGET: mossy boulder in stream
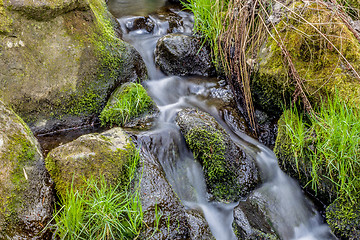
{"x":229,"y":173}
{"x":61,"y":60}
{"x":26,"y":196}
{"x":313,"y":41}
{"x":91,"y":155}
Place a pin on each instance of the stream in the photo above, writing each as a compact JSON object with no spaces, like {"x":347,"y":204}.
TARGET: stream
{"x":293,"y":216}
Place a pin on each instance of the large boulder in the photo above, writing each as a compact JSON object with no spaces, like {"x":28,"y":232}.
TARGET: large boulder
{"x":91,"y":155}
{"x":179,"y":54}
{"x":26,"y":195}
{"x":229,"y":173}
{"x":314,"y":49}
{"x":61,"y":60}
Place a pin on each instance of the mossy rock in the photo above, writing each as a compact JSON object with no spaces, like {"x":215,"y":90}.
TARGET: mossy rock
{"x":344,"y":219}
{"x":58,"y":73}
{"x":91,"y":155}
{"x":26,"y":196}
{"x":300,"y":168}
{"x":316,"y":60}
{"x":229,"y":173}
{"x":130,"y":106}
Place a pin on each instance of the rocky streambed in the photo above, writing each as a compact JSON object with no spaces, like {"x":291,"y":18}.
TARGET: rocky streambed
{"x":201,"y":170}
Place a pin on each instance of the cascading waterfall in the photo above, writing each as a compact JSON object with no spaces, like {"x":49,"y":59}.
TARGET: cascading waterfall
{"x":292,"y":215}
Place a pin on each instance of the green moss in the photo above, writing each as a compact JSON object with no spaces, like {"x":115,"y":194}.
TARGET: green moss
{"x":209,"y":148}
{"x":344,"y":219}
{"x":315,"y":59}
{"x":126,"y":103}
{"x":20,"y":153}
{"x":5,"y":20}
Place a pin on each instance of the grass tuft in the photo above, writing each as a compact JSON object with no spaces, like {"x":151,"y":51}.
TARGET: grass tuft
{"x":131,"y":101}
{"x":332,"y":143}
{"x":101,"y":211}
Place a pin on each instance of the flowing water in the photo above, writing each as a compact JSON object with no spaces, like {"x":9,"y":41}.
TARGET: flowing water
{"x":292,"y":215}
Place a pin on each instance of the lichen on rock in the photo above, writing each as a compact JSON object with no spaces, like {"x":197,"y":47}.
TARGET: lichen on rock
{"x":91,"y":155}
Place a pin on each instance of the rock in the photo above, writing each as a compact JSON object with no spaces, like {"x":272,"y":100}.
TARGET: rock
{"x":301,"y":168}
{"x":46,"y":9}
{"x":250,"y":223}
{"x":26,"y":193}
{"x":163,"y":212}
{"x":316,"y":60}
{"x":177,"y":1}
{"x":91,"y":155}
{"x":58,"y":73}
{"x":199,"y":228}
{"x":130,"y":106}
{"x":344,"y":219}
{"x":229,"y":173}
{"x":136,"y":23}
{"x":182,"y":55}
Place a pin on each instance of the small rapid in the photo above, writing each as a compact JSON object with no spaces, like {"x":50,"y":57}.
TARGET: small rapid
{"x":291,"y":214}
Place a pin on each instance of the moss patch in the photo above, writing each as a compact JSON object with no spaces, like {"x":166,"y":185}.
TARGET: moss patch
{"x":5,"y":20}
{"x":344,"y":219}
{"x":128,"y":102}
{"x":316,"y":59}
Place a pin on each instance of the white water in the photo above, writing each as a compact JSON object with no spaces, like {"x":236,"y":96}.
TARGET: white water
{"x":292,"y":216}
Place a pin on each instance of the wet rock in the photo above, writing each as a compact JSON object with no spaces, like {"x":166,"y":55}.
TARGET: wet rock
{"x":198,"y":226}
{"x":164,"y":215}
{"x":182,"y":55}
{"x":90,"y":155}
{"x":136,"y":23}
{"x":177,"y":1}
{"x":251,"y":223}
{"x":58,"y":73}
{"x":271,"y":85}
{"x":26,"y":194}
{"x":229,"y":173}
{"x":344,"y":219}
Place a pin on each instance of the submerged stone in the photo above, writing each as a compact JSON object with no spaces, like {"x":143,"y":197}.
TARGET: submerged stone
{"x":229,"y":173}
{"x":26,"y":194}
{"x":91,"y":155}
